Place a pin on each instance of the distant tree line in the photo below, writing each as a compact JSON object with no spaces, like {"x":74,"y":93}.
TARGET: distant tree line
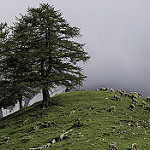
{"x":37,"y":54}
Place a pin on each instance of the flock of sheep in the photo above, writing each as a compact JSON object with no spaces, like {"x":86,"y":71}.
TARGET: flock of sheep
{"x":133,"y":95}
{"x":134,"y":101}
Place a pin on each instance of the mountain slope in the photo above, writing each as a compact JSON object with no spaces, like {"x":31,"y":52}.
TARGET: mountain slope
{"x":83,"y":121}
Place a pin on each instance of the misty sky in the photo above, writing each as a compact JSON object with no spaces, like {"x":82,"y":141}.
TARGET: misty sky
{"x":116,"y":33}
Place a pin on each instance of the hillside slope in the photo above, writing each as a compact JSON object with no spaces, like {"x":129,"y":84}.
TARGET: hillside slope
{"x":79,"y":120}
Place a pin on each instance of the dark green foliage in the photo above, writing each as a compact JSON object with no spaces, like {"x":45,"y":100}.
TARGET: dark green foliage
{"x":13,"y":87}
{"x":41,"y":54}
{"x":45,"y":35}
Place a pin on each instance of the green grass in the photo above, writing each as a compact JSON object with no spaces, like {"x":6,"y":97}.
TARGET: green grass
{"x":99,"y":126}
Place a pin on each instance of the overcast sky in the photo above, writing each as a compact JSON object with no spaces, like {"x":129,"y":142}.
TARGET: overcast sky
{"x":116,"y":33}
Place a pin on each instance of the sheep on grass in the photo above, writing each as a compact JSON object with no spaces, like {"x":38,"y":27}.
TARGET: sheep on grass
{"x":148,"y":98}
{"x":129,"y":95}
{"x":119,"y":91}
{"x":148,"y":108}
{"x":117,"y":98}
{"x":134,"y":100}
{"x":134,"y":95}
{"x":113,"y":146}
{"x":123,"y":94}
{"x":112,"y":108}
{"x":132,"y":107}
{"x":140,"y":94}
{"x":143,"y":104}
{"x":103,"y":89}
{"x":112,"y":90}
{"x":134,"y":146}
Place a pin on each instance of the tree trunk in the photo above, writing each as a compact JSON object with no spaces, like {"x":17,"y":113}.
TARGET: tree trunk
{"x":20,"y":101}
{"x":45,"y":92}
{"x":46,"y":98}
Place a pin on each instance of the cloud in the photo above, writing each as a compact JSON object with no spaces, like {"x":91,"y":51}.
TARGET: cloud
{"x":116,"y":34}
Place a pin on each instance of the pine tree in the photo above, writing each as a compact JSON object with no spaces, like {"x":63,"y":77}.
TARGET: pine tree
{"x":4,"y":84}
{"x":44,"y":48}
{"x":13,"y":88}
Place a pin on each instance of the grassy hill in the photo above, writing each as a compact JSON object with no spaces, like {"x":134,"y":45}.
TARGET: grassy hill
{"x":85,"y":116}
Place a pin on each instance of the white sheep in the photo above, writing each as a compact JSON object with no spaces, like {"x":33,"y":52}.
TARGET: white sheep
{"x":118,"y":91}
{"x":148,"y":98}
{"x":129,"y":95}
{"x":112,"y":90}
{"x":143,"y":103}
{"x":134,"y":146}
{"x":132,"y":106}
{"x":135,"y":95}
{"x":117,"y":98}
{"x":112,"y":108}
{"x":122,"y":92}
{"x":140,"y":94}
{"x":148,"y":108}
{"x":134,"y":100}
{"x":113,"y":146}
{"x":103,"y":89}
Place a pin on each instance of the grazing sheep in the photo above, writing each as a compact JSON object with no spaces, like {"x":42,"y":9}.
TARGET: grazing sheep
{"x":134,"y":146}
{"x":103,"y":89}
{"x":119,"y":91}
{"x":112,"y":108}
{"x":129,"y":95}
{"x":148,"y":98}
{"x":148,"y":108}
{"x":143,"y":103}
{"x":122,"y":92}
{"x":132,"y":107}
{"x":135,"y":100}
{"x":113,"y":146}
{"x":112,"y":90}
{"x":96,"y":90}
{"x":117,"y":98}
{"x":135,"y":95}
{"x":140,"y":94}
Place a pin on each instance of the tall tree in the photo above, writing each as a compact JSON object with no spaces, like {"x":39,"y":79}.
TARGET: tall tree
{"x":44,"y":45}
{"x":3,"y":84}
{"x":12,"y":72}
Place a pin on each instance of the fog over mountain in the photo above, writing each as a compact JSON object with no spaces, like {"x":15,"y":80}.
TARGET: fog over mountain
{"x":116,"y":33}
